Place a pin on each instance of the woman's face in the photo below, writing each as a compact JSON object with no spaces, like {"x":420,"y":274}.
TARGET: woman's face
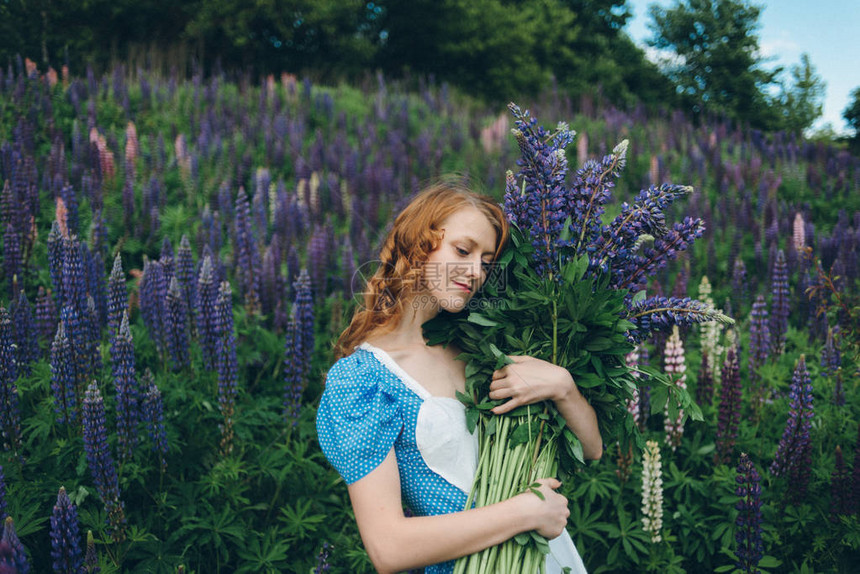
{"x":458,"y":266}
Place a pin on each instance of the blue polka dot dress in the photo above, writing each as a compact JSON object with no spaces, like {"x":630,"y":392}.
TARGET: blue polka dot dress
{"x":370,"y":405}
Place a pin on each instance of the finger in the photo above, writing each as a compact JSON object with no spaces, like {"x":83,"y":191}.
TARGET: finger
{"x":506,"y":407}
{"x":553,"y":483}
{"x":519,"y":358}
{"x":501,"y":393}
{"x":500,"y":374}
{"x":499,"y":383}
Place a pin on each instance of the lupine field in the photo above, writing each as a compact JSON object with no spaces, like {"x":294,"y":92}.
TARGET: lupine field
{"x":179,"y":255}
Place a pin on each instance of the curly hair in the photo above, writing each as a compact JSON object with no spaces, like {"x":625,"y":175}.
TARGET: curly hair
{"x":416,"y":233}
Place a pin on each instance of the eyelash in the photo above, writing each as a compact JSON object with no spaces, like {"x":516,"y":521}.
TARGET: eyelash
{"x":463,"y":252}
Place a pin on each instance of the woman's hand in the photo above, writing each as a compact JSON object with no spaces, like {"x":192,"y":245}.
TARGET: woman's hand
{"x":550,"y":513}
{"x":529,"y":380}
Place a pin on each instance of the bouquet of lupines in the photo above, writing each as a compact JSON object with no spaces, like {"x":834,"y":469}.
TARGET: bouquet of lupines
{"x":568,"y":289}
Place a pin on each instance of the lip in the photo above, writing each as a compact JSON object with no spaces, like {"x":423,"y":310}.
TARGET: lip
{"x":462,"y":286}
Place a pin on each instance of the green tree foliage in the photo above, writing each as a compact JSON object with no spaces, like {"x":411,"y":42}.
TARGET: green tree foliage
{"x":607,"y":59}
{"x":802,"y":100}
{"x":326,"y":37}
{"x":487,"y":46}
{"x":852,"y":113}
{"x":716,"y":65}
{"x":56,"y":31}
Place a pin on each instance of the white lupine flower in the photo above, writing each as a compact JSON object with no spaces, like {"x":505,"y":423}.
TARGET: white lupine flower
{"x":652,"y":491}
{"x":710,"y":334}
{"x":798,"y":237}
{"x":674,"y":366}
{"x":632,"y":360}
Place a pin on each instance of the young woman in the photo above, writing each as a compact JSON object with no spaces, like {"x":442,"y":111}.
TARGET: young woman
{"x":389,"y":421}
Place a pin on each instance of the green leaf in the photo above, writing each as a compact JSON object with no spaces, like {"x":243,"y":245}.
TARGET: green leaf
{"x":481,"y":320}
{"x":522,"y":538}
{"x":472,"y":415}
{"x":769,"y":562}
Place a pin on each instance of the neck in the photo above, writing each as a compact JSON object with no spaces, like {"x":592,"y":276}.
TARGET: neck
{"x":408,"y":331}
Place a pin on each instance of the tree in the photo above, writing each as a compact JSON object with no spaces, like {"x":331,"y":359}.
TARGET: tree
{"x":802,"y":101}
{"x":716,"y":64}
{"x":852,"y":113}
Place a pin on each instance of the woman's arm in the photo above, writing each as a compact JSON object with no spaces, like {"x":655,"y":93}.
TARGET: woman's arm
{"x":529,"y":380}
{"x":395,"y":542}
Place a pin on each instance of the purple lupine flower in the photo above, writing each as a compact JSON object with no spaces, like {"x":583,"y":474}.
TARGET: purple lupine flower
{"x":153,"y":415}
{"x":322,"y":559}
{"x":56,"y":257}
{"x":589,"y":193}
{"x":65,"y":537}
{"x":99,"y":233}
{"x":205,"y":305}
{"x":127,"y":392}
{"x":12,"y":259}
{"x":46,"y":315}
{"x":185,"y":272}
{"x":91,"y":558}
{"x":633,"y":272}
{"x":74,"y":279}
{"x":269,"y":279}
{"x":794,"y":454}
{"x":660,"y":313}
{"x":64,"y":378}
{"x":779,"y":304}
{"x":26,"y":335}
{"x":840,"y":488}
{"x":18,"y":555}
{"x":226,"y":363}
{"x":831,"y":358}
{"x":760,"y":347}
{"x":10,"y":414}
{"x":96,"y":286}
{"x":705,"y":383}
{"x":538,"y":206}
{"x":117,"y":297}
{"x":166,"y":250}
{"x":675,"y":367}
{"x":318,"y":255}
{"x":247,"y":255}
{"x":94,"y":338}
{"x":739,"y":280}
{"x":645,"y":217}
{"x":176,"y":326}
{"x":76,"y":333}
{"x":304,"y":305}
{"x":347,"y":269}
{"x":100,"y":461}
{"x":3,"y":514}
{"x":7,"y":205}
{"x":749,"y":549}
{"x":730,"y":407}
{"x":70,"y":200}
{"x":153,"y":292}
{"x":293,"y":371}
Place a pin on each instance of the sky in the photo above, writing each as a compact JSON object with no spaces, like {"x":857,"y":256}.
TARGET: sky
{"x":827,"y":30}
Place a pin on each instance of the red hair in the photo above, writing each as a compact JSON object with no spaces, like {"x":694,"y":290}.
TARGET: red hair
{"x":415,"y":234}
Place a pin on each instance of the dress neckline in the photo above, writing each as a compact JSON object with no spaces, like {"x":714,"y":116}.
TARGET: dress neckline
{"x":398,"y":371}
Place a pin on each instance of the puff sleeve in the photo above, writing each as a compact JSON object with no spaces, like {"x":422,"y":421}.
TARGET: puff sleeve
{"x":358,"y":419}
